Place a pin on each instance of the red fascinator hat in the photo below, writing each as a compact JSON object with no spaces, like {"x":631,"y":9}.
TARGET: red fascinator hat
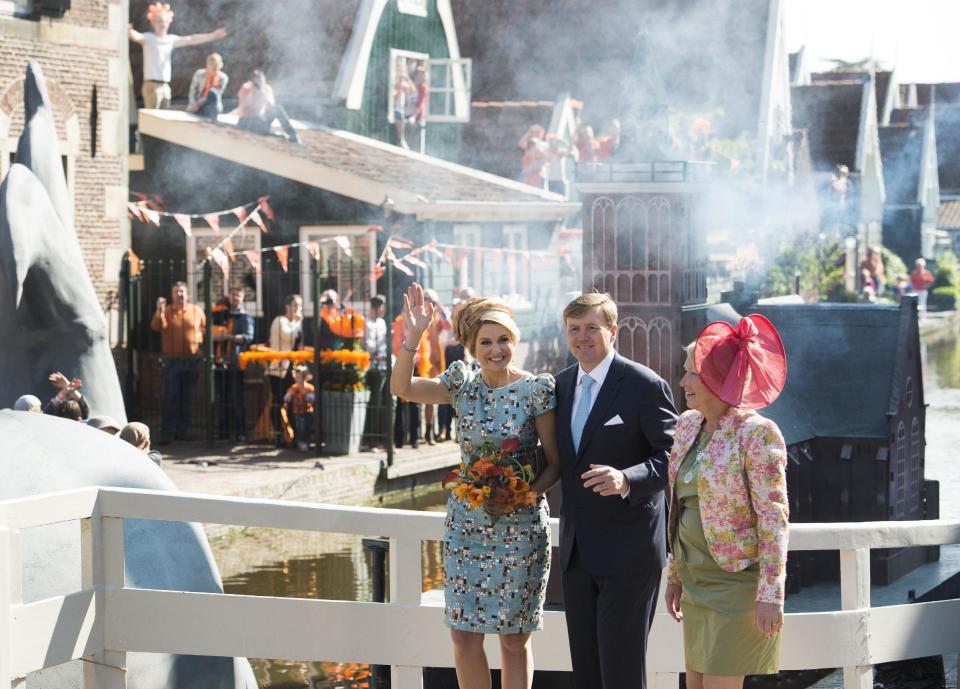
{"x":745,"y":366}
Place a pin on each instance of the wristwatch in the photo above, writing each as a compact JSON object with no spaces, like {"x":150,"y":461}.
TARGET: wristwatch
{"x":412,"y":351}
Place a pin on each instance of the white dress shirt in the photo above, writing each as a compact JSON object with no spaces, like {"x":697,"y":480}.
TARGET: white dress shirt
{"x":599,"y":374}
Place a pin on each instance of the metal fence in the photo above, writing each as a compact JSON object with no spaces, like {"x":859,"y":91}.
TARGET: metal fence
{"x":206,"y":398}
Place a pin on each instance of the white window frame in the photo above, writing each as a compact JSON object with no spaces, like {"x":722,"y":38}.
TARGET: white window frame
{"x":17,"y":8}
{"x":323,"y":234}
{"x":195,"y":275}
{"x":457,"y":90}
{"x":516,"y":281}
{"x":472,"y":270}
{"x":395,"y":54}
{"x":414,"y":7}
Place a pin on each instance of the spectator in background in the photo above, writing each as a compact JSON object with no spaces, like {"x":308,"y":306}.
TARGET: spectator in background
{"x":406,"y":423}
{"x":422,"y":96}
{"x":873,"y":264}
{"x":67,"y":409}
{"x":375,"y":342}
{"x":920,"y":281}
{"x":286,"y":335}
{"x":29,"y":403}
{"x":181,"y":326}
{"x":534,"y":161}
{"x":69,"y":391}
{"x":104,"y":423}
{"x":404,"y":101}
{"x":329,"y":306}
{"x":901,"y":288}
{"x":158,"y":46}
{"x":435,"y":334}
{"x":258,"y":108}
{"x":232,"y":335}
{"x":138,"y":435}
{"x":207,"y":87}
{"x":299,"y":401}
{"x":593,"y":149}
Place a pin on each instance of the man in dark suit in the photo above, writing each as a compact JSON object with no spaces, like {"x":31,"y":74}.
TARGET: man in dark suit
{"x":615,"y":421}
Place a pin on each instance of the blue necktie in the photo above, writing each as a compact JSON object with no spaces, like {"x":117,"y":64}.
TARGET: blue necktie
{"x":583,"y":410}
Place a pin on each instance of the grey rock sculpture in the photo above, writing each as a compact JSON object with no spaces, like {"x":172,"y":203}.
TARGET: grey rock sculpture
{"x":50,"y":318}
{"x":43,"y":454}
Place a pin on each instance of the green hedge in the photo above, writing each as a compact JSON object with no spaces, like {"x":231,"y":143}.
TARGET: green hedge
{"x":944,"y":298}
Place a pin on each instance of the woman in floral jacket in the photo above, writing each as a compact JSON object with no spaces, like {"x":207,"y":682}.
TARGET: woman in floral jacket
{"x":728,"y":506}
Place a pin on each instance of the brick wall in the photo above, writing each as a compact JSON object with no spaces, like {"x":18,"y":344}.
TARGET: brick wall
{"x":83,"y":51}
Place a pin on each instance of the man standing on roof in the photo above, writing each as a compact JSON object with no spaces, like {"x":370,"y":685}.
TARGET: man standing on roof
{"x":158,"y":46}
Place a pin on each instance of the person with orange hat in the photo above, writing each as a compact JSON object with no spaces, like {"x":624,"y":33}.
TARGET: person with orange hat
{"x":158,"y":46}
{"x":728,"y":506}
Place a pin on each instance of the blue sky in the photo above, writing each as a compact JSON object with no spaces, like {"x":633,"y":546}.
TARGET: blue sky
{"x":920,"y":37}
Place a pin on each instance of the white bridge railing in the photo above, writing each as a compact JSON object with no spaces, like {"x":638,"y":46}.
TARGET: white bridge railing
{"x":106,"y":619}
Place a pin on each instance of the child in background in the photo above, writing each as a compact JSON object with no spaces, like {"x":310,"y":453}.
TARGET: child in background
{"x":299,"y":402}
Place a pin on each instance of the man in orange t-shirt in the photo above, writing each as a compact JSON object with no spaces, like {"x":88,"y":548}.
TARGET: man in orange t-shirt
{"x":181,"y":326}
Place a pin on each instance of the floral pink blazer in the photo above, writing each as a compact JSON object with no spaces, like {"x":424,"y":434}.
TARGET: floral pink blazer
{"x":742,"y":491}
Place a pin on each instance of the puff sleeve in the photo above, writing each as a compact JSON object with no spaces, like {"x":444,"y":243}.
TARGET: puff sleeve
{"x":544,"y":396}
{"x":765,"y":460}
{"x":454,"y":378}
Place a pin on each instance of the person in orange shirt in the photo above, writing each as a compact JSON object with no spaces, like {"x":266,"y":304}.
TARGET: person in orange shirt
{"x":181,"y":326}
{"x":407,"y":414}
{"x":920,"y":281}
{"x":438,"y":364}
{"x":299,"y":400}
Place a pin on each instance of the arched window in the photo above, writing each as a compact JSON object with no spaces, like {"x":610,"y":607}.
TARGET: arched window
{"x":908,"y":392}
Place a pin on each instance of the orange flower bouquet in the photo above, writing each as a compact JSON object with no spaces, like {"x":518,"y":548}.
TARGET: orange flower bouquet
{"x":498,"y":480}
{"x":344,"y":369}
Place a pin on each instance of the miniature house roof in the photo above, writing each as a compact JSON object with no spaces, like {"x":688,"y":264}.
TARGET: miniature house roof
{"x":363,"y":169}
{"x":832,"y":113}
{"x":902,"y":149}
{"x":842,"y":367}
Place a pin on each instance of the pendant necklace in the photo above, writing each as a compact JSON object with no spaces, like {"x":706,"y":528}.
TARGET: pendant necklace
{"x":701,"y":453}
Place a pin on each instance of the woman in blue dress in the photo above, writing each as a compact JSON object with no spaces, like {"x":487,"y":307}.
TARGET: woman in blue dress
{"x":495,"y":567}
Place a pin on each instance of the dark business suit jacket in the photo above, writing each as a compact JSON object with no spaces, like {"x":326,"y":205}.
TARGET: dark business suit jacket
{"x":616,"y":536}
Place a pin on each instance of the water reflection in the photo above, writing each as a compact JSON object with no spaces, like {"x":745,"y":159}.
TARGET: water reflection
{"x":299,"y":564}
{"x":941,"y":379}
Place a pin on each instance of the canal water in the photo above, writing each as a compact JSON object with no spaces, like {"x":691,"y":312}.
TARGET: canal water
{"x":267,"y":562}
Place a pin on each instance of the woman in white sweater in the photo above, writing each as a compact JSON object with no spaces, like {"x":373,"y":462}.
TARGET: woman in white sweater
{"x":286,"y":335}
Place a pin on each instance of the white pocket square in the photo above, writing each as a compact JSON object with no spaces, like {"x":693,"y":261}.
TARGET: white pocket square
{"x":615,"y":421}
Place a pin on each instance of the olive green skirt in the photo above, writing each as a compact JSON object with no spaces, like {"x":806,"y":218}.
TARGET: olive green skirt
{"x":718,"y":607}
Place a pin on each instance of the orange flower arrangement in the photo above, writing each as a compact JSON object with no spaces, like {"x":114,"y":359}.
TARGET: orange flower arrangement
{"x":267,"y":356}
{"x":343,"y":369}
{"x":496,"y":481}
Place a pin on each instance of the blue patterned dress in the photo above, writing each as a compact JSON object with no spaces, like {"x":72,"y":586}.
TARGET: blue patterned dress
{"x":495,"y":570}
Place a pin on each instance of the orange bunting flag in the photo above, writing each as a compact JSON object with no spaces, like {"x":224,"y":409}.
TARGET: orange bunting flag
{"x":265,"y":207}
{"x":228,"y":248}
{"x":213,"y":220}
{"x":448,"y":254}
{"x":223,"y":262}
{"x":511,"y":261}
{"x":461,"y":258}
{"x":401,"y":267}
{"x":432,"y":248}
{"x":566,"y":257}
{"x":399,"y":242}
{"x":151,"y":216}
{"x":415,"y":261}
{"x":378,"y":272}
{"x":496,"y":254}
{"x":183,"y":220}
{"x":314,"y":249}
{"x":283,"y":255}
{"x":240,"y":212}
{"x":254,"y":257}
{"x":375,"y":228}
{"x":255,"y":217}
{"x":134,"y":263}
{"x":135,"y":212}
{"x":343,"y":243}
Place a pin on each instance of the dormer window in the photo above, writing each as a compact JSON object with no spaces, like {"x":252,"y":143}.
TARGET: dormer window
{"x":415,"y":7}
